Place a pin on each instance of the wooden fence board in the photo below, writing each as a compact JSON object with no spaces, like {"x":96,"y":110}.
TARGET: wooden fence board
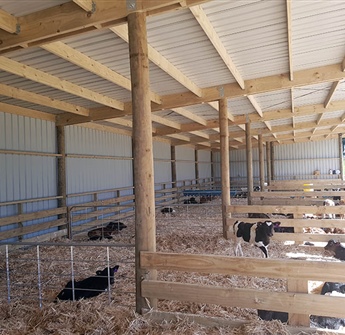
{"x":298,"y":303}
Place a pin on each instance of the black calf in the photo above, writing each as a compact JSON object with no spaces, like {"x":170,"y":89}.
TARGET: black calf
{"x":88,"y":287}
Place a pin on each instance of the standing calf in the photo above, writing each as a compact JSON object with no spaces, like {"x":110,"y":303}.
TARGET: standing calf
{"x":329,"y":202}
{"x":255,"y":233}
{"x":89,"y":287}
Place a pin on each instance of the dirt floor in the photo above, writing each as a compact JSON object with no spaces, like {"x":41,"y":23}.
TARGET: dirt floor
{"x":38,"y":274}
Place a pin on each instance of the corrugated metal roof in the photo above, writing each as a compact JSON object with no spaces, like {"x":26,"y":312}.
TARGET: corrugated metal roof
{"x":253,"y":34}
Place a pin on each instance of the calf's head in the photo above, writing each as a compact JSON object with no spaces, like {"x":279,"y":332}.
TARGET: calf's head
{"x":332,"y":245}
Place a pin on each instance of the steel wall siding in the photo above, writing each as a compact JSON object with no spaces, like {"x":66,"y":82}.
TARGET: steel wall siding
{"x":204,"y":166}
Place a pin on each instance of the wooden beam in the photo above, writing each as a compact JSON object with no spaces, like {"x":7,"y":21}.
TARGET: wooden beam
{"x":8,"y":22}
{"x":206,"y":25}
{"x":256,"y":86}
{"x":87,"y":5}
{"x":74,"y":56}
{"x":67,"y":20}
{"x":255,"y":104}
{"x":17,"y":93}
{"x":189,"y":115}
{"x":331,"y":93}
{"x":44,"y":78}
{"x":12,"y":109}
{"x":162,"y":62}
{"x":165,"y":121}
{"x":289,"y":35}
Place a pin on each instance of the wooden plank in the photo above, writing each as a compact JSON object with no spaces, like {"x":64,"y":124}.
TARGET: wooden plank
{"x":32,"y":216}
{"x":96,"y":213}
{"x":8,"y":22}
{"x":317,"y":210}
{"x":28,"y":72}
{"x":244,"y":266}
{"x":87,"y":5}
{"x":287,"y":202}
{"x":31,"y":229}
{"x":298,"y":194}
{"x":298,"y":286}
{"x":216,"y":322}
{"x":246,"y":298}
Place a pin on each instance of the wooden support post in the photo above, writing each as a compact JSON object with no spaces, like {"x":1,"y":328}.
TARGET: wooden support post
{"x":173,"y":165}
{"x":61,"y":171}
{"x":145,"y":225}
{"x":341,"y":158}
{"x":196,"y":159}
{"x":224,"y":163}
{"x":261,"y":163}
{"x":272,"y":161}
{"x":212,"y":168}
{"x":268,"y":163}
{"x":249,"y":157}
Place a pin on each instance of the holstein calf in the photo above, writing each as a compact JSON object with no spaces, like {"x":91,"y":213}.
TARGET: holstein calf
{"x":106,"y":232}
{"x":190,"y":201}
{"x":336,"y":249}
{"x":329,"y":202}
{"x":255,"y":233}
{"x":329,"y":288}
{"x":168,"y":210}
{"x":89,"y":287}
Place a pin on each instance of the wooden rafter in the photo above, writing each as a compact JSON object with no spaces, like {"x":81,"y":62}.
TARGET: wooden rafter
{"x":38,"y":99}
{"x":87,"y":5}
{"x":41,"y":77}
{"x":331,"y":93}
{"x":289,"y":35}
{"x":206,"y":25}
{"x":53,"y":23}
{"x":8,"y":22}
{"x":161,"y":62}
{"x":74,"y":56}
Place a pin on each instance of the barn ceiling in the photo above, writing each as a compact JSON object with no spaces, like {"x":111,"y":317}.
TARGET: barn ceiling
{"x":280,"y":64}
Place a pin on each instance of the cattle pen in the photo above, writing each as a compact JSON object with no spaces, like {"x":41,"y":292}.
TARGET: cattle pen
{"x":198,"y":278}
{"x":135,"y":134}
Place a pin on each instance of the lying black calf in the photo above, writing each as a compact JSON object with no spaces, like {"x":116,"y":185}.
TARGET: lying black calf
{"x":88,"y":287}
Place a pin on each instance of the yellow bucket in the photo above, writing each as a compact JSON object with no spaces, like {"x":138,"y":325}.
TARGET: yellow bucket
{"x":308,"y":189}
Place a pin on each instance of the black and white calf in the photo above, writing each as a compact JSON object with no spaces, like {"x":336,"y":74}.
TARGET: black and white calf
{"x":168,"y":210}
{"x":255,"y":233}
{"x":89,"y":287}
{"x":329,"y":202}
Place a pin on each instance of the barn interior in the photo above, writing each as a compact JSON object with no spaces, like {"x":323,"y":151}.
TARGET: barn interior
{"x":115,"y":110}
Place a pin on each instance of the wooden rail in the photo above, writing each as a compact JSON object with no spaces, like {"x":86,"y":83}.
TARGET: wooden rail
{"x":293,"y":302}
{"x":58,"y":218}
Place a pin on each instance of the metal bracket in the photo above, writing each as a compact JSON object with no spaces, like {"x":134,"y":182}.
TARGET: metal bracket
{"x":221,"y":91}
{"x":93,"y":7}
{"x":17,"y":28}
{"x":131,"y":4}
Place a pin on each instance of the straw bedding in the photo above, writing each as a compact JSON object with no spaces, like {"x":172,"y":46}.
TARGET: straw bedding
{"x":198,"y":231}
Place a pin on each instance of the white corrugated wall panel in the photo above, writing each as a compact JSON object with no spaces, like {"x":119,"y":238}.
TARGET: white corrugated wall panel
{"x":300,"y":160}
{"x":162,"y":162}
{"x":204,"y":158}
{"x":96,"y":173}
{"x":26,"y":176}
{"x":185,"y":163}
